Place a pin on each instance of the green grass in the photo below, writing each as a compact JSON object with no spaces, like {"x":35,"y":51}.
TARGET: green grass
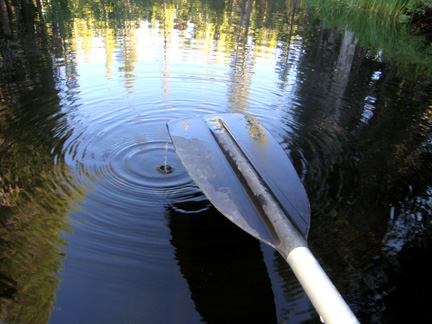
{"x":399,"y":43}
{"x":387,"y":8}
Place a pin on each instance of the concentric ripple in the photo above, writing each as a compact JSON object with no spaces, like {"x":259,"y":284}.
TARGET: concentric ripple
{"x":133,"y":167}
{"x":120,"y":148}
{"x":123,"y":163}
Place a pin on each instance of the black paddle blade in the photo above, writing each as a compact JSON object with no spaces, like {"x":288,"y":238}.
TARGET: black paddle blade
{"x":210,"y":147}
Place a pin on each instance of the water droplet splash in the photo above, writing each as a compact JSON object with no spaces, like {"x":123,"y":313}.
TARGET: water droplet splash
{"x":165,"y":168}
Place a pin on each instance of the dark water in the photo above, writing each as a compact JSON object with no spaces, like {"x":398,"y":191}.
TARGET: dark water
{"x":92,"y":232}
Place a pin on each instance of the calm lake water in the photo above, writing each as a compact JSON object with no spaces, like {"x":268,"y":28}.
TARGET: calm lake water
{"x":92,"y":232}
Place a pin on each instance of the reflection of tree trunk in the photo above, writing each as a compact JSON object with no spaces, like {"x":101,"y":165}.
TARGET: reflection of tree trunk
{"x":165,"y":68}
{"x":342,"y":72}
{"x":346,"y":53}
{"x":271,"y":7}
{"x":293,"y":11}
{"x":40,"y":12}
{"x":240,"y":76}
{"x":5,"y":19}
{"x":288,"y":45}
{"x":28,"y":11}
{"x":248,"y":16}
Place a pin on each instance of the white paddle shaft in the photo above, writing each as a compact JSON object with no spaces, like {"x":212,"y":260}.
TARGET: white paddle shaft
{"x":322,"y":293}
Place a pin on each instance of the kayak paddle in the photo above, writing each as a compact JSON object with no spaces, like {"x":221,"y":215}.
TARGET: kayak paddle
{"x":248,"y":177}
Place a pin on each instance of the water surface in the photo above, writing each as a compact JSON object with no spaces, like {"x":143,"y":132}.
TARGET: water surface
{"x":92,"y":232}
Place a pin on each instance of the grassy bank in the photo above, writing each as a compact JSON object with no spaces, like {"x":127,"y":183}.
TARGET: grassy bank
{"x":394,"y":8}
{"x":404,"y":10}
{"x":393,"y":42}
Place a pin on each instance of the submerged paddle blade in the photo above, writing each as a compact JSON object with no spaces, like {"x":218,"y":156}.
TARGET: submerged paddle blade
{"x":210,"y":147}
